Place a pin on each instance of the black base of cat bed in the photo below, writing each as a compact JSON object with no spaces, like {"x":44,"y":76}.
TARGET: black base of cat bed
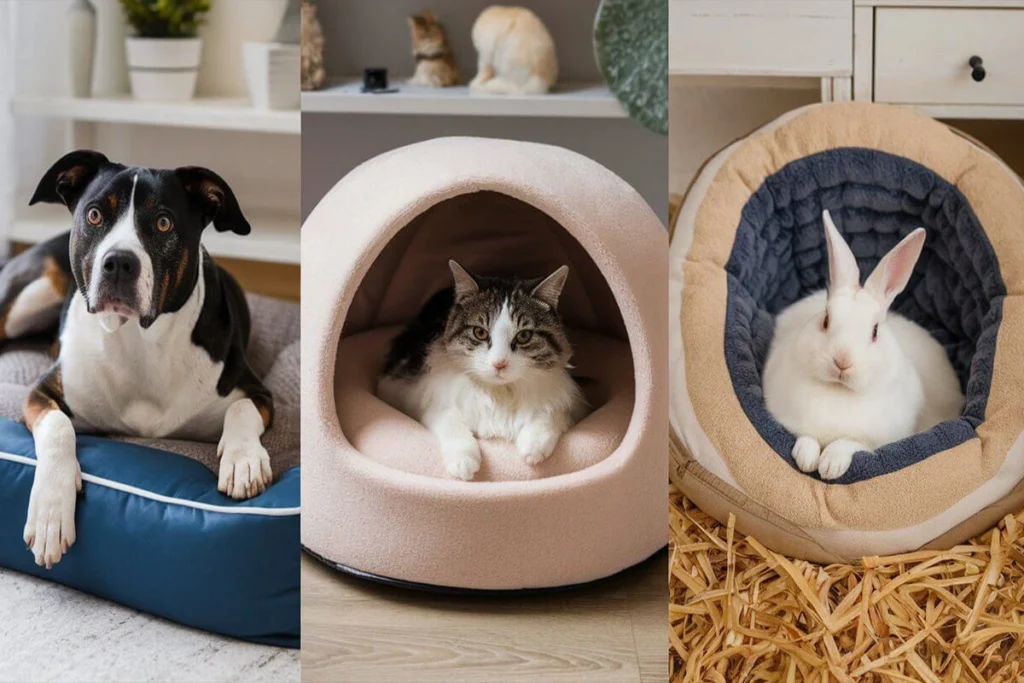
{"x":469,"y":592}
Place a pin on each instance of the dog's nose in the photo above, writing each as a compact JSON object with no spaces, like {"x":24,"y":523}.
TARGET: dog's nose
{"x":121,"y":266}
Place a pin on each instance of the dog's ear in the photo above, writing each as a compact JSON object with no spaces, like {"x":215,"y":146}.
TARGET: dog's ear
{"x":67,"y":179}
{"x":214,"y":198}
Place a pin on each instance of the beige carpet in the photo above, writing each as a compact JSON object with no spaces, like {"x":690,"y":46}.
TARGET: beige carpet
{"x":54,"y":633}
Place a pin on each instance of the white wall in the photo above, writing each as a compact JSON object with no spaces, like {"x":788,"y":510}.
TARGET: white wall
{"x":264,"y":170}
{"x":704,"y":118}
{"x":7,"y":179}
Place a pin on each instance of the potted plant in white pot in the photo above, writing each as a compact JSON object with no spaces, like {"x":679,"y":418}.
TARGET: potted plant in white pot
{"x":163,"y":56}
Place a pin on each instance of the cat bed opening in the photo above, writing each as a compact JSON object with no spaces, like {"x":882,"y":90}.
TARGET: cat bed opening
{"x":492,"y":234}
{"x":749,"y":242}
{"x":378,"y":500}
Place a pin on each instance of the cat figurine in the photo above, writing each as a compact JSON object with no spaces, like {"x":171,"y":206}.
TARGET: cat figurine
{"x":312,"y":48}
{"x":435,"y":63}
{"x":487,"y":358}
{"x":515,"y":52}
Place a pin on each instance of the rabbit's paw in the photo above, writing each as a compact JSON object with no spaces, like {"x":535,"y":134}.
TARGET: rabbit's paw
{"x":837,"y":456}
{"x":807,"y":453}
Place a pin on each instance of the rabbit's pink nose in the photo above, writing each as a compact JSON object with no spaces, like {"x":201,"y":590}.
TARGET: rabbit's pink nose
{"x":842,"y":362}
{"x":500,"y":365}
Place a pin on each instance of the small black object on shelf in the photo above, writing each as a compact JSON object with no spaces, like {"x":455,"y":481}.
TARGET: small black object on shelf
{"x":375,"y":81}
{"x":977,"y":70}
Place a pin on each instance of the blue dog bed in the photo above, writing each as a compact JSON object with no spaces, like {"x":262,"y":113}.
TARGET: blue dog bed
{"x":153,"y":533}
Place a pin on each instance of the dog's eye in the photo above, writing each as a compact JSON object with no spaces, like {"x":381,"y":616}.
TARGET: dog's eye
{"x":480,"y":333}
{"x":94,"y":216}
{"x":874,"y":333}
{"x":824,"y":322}
{"x":163,"y":224}
{"x":524,"y":336}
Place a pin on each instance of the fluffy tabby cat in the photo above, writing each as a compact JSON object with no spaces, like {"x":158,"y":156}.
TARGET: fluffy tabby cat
{"x":435,"y":63}
{"x":515,"y":52}
{"x":486,"y":358}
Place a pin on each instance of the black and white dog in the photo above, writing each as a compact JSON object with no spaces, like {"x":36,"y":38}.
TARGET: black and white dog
{"x":152,"y":332}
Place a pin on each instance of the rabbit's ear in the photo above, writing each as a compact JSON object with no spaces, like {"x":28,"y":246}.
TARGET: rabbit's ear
{"x":843,"y":272}
{"x":893,"y":272}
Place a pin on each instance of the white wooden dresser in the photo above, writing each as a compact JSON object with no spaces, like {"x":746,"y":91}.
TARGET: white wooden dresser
{"x":951,"y":58}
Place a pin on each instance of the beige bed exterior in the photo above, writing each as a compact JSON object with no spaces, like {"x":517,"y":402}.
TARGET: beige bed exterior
{"x":722,"y":460}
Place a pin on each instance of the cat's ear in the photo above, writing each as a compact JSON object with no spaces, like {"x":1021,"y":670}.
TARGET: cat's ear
{"x":428,"y":16}
{"x":465,"y":284}
{"x":550,"y":288}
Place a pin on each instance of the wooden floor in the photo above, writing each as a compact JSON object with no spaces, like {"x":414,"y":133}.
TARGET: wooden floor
{"x":614,"y":631}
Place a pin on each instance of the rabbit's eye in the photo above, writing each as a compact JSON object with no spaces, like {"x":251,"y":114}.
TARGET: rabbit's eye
{"x":824,"y":322}
{"x":874,"y":333}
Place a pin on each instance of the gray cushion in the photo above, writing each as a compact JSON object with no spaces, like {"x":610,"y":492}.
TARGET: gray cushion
{"x":273,"y":353}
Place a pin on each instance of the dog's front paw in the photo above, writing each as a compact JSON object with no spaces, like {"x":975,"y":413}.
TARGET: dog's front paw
{"x":50,"y":527}
{"x":536,"y":442}
{"x":807,"y":453}
{"x":837,"y":456}
{"x":244,"y":469}
{"x":462,"y":458}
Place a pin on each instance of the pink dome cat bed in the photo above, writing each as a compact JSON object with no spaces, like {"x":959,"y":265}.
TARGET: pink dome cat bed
{"x":376,"y":498}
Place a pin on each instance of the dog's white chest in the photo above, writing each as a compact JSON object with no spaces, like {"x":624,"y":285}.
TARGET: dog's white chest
{"x":153,"y":382}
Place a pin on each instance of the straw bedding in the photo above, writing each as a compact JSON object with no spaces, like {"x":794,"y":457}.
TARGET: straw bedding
{"x":740,"y":612}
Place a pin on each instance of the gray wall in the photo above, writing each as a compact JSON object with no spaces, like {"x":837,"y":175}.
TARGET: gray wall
{"x":334,"y":144}
{"x":362,"y":33}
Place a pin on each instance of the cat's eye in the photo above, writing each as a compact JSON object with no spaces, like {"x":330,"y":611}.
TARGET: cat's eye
{"x":824,"y":322}
{"x":480,"y":333}
{"x":874,"y":333}
{"x":94,"y":216}
{"x":164,"y":223}
{"x":524,"y":336}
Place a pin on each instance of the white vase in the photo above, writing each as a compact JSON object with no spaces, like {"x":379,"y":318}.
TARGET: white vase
{"x":110,"y":71}
{"x":163,"y":68}
{"x":228,"y":25}
{"x":81,"y":40}
{"x":271,"y":72}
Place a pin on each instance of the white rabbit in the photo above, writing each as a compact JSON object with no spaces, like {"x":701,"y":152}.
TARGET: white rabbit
{"x":845,"y":375}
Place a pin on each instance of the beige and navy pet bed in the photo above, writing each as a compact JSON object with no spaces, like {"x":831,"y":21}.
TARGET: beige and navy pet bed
{"x":749,"y":241}
{"x":376,"y":499}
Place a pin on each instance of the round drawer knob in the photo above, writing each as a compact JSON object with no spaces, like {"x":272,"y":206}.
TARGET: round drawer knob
{"x":977,"y":70}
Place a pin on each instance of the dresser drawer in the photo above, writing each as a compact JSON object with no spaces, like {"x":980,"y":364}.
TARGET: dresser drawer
{"x":922,"y":56}
{"x":761,"y":38}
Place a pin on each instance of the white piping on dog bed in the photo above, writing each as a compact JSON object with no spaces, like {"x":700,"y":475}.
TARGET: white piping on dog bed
{"x":142,"y":493}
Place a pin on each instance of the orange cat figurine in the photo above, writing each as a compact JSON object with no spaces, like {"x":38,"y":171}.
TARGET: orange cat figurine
{"x":435,"y":63}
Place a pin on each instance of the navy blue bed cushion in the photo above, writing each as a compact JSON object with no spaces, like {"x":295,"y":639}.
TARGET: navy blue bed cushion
{"x":875,"y":199}
{"x":153,"y":533}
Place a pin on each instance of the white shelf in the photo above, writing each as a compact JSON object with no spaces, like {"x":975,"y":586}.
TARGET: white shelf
{"x":274,"y":237}
{"x":570,"y":100}
{"x":215,"y":114}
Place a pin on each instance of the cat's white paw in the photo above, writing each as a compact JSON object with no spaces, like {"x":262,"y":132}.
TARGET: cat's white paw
{"x":536,"y":442}
{"x":807,"y":453}
{"x":837,"y":456}
{"x":244,"y":468}
{"x":50,"y":526}
{"x":462,"y":459}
